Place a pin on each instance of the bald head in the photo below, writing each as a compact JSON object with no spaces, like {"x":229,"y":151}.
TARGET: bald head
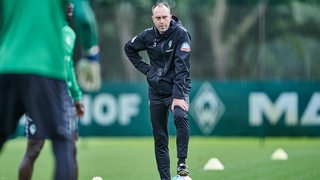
{"x":161,"y":4}
{"x":161,"y":16}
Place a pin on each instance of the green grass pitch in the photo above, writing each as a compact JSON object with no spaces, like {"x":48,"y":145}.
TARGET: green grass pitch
{"x":120,"y":158}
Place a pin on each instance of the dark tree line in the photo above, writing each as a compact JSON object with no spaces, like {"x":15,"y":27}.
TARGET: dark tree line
{"x":231,"y":39}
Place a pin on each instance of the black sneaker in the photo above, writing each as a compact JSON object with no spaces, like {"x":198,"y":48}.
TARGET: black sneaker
{"x":182,"y":170}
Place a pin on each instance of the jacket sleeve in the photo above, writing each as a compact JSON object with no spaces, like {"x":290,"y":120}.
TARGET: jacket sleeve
{"x":72,"y":83}
{"x":69,"y":42}
{"x":182,"y":80}
{"x":132,"y":49}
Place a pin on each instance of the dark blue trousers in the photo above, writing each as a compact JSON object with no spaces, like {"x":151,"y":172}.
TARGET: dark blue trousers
{"x":160,"y":105}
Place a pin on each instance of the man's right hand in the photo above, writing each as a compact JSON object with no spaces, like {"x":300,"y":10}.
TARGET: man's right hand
{"x":79,"y":108}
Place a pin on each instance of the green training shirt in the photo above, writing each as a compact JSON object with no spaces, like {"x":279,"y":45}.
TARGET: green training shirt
{"x":31,"y":37}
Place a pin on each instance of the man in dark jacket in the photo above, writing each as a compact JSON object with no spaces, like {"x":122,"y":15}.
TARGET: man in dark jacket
{"x":168,"y":76}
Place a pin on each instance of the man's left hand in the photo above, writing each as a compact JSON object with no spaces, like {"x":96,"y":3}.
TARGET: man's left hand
{"x":181,"y":103}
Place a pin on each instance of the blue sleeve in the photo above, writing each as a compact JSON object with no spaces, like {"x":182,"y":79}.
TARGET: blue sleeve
{"x":181,"y":85}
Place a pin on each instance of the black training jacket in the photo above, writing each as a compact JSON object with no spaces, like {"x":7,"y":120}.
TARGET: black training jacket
{"x":168,"y":72}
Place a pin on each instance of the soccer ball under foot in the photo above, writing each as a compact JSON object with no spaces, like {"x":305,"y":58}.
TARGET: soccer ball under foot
{"x":177,"y":177}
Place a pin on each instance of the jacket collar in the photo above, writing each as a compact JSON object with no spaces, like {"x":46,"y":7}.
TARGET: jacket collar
{"x":175,"y":22}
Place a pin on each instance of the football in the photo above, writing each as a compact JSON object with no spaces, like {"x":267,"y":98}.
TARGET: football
{"x":97,"y":178}
{"x":177,"y":177}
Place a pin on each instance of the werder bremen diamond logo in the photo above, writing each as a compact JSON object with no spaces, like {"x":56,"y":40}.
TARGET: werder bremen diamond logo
{"x":207,"y":108}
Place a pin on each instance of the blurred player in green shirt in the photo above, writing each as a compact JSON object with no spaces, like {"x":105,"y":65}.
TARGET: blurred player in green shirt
{"x":76,"y":109}
{"x":88,"y":67}
{"x":33,"y":74}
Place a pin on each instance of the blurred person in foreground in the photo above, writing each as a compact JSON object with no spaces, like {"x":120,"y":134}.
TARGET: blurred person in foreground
{"x":33,"y":74}
{"x":168,"y":74}
{"x":88,"y":67}
{"x":73,"y":103}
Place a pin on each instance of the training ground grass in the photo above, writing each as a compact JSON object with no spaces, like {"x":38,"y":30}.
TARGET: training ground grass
{"x":121,"y":158}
